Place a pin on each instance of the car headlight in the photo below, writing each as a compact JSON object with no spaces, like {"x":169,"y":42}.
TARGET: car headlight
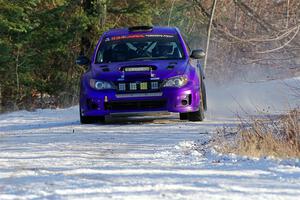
{"x":100,"y":85}
{"x":177,"y":81}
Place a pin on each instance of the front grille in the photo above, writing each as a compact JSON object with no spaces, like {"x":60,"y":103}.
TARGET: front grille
{"x":138,"y":86}
{"x":135,"y":105}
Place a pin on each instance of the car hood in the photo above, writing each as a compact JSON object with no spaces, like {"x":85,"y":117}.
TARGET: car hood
{"x":162,"y":69}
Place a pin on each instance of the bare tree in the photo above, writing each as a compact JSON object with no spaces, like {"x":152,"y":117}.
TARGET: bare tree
{"x":209,"y":32}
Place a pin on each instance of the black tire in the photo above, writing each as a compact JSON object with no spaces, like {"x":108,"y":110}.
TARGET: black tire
{"x":183,"y":116}
{"x":87,"y":120}
{"x":197,"y":116}
{"x":100,"y":119}
{"x":91,"y":120}
{"x":203,"y":92}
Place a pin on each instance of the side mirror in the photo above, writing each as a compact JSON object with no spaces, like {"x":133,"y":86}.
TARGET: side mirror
{"x":198,"y":54}
{"x":82,"y":60}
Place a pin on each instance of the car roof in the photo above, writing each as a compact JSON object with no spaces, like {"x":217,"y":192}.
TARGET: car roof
{"x":153,"y":30}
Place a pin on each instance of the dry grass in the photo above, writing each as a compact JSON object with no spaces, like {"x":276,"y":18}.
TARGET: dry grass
{"x":263,"y":137}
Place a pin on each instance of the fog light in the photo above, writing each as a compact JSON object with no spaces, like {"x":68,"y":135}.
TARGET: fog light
{"x":144,"y":86}
{"x":132,"y":86}
{"x":154,"y":85}
{"x":184,"y":102}
{"x":122,"y":86}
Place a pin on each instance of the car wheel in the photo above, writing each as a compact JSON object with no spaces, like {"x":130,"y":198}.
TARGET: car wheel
{"x":198,"y":115}
{"x":203,"y":90}
{"x":183,"y":116}
{"x":91,"y":120}
{"x":87,"y":120}
{"x":100,"y":119}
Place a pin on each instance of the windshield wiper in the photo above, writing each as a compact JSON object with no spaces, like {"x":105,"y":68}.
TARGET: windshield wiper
{"x":141,"y":58}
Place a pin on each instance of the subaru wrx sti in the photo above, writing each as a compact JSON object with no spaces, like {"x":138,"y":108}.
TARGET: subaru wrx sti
{"x":142,"y":69}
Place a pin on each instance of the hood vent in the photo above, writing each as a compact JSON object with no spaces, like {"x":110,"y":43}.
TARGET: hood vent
{"x":170,"y":67}
{"x":105,"y":69}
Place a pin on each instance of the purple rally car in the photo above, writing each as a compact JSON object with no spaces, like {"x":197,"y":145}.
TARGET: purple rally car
{"x":142,"y":69}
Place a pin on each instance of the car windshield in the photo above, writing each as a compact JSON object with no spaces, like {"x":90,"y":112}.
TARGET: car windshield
{"x":139,"y":47}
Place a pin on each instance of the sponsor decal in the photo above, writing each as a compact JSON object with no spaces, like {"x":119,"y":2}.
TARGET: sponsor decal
{"x":160,"y":36}
{"x":126,"y":37}
{"x":137,"y":36}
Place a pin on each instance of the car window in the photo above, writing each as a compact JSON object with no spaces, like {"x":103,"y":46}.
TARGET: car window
{"x":187,"y":45}
{"x":139,"y":47}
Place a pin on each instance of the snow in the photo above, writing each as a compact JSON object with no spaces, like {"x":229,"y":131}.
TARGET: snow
{"x":48,"y":154}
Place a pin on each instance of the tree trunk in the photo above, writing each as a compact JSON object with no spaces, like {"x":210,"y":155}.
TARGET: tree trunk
{"x":103,"y":14}
{"x":85,"y":41}
{"x":209,"y":32}
{"x":17,"y":72}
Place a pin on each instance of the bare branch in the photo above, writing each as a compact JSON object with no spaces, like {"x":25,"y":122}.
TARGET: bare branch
{"x":284,"y":45}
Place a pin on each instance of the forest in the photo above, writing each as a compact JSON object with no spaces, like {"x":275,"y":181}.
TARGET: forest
{"x":251,"y":40}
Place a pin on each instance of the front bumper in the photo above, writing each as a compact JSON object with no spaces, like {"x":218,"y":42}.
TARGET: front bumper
{"x":106,"y":102}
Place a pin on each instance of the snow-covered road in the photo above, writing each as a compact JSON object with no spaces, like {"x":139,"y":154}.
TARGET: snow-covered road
{"x":47,"y":154}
